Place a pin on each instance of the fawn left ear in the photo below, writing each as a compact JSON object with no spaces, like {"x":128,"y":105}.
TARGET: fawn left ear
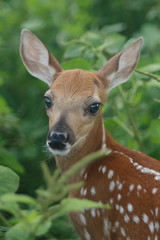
{"x":120,"y":67}
{"x":37,"y":59}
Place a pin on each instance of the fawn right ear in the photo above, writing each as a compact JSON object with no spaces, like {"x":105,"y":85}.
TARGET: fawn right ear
{"x":37,"y":59}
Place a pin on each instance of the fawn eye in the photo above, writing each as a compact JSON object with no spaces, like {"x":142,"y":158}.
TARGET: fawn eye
{"x":48,"y":102}
{"x":93,"y":108}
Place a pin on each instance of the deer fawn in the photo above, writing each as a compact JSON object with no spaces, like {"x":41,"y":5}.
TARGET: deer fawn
{"x":126,"y":179}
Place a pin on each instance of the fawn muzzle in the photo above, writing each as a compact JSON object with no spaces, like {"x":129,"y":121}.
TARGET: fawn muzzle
{"x":60,"y":139}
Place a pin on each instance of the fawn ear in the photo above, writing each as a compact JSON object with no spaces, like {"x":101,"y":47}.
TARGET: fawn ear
{"x":37,"y":59}
{"x":120,"y":67}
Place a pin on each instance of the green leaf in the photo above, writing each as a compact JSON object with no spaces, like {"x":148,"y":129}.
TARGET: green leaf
{"x":100,"y":61}
{"x":9,"y":206}
{"x":112,"y":43}
{"x":74,"y":51}
{"x":18,"y":198}
{"x":9,"y":181}
{"x":74,"y":204}
{"x":7,"y":159}
{"x":77,"y":63}
{"x":92,"y":38}
{"x":151,"y":68}
{"x":3,"y":229}
{"x":19,"y":232}
{"x":43,"y":226}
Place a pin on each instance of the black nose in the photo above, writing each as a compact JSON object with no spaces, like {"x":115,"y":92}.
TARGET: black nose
{"x":58,"y":140}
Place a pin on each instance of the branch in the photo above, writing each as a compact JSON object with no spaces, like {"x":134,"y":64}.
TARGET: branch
{"x":151,"y":75}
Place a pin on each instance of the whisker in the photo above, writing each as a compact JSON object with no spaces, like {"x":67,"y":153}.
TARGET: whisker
{"x":47,"y":152}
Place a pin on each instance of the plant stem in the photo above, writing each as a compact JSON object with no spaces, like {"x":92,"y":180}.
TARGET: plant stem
{"x":131,"y":119}
{"x":66,"y":177}
{"x":151,"y":75}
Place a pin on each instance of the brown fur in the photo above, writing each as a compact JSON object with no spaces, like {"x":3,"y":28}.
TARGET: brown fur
{"x":126,"y":179}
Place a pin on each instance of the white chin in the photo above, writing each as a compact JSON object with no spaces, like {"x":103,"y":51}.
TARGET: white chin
{"x":57,"y":152}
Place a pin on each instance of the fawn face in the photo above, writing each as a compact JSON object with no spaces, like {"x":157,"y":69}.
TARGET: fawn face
{"x":75,"y":98}
{"x":73,"y":104}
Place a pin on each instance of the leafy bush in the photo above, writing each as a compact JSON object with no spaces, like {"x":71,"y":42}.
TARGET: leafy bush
{"x":33,"y":218}
{"x":84,"y":34}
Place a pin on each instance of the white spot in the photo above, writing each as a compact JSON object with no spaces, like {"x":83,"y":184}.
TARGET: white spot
{"x":154,"y":190}
{"x":106,"y":228}
{"x":93,"y":191}
{"x":126,"y":218}
{"x":83,"y":191}
{"x":136,"y":219}
{"x":128,"y":238}
{"x":135,"y":164}
{"x":120,"y":186}
{"x":151,"y":227}
{"x":104,"y":169}
{"x":110,"y":174}
{"x":83,"y":219}
{"x":121,"y":210}
{"x":87,"y":235}
{"x":130,"y":159}
{"x":148,"y":238}
{"x":157,"y":226}
{"x":139,"y":187}
{"x":131,"y":187}
{"x":130,"y":207}
{"x":152,"y":172}
{"x":117,"y":182}
{"x":123,"y":232}
{"x":156,"y":211}
{"x":98,"y":213}
{"x":119,"y":196}
{"x":100,"y":168}
{"x":145,"y":218}
{"x":111,"y":186}
{"x":116,"y":224}
{"x":156,"y":237}
{"x":93,"y":212}
{"x":157,"y":178}
{"x":111,"y":201}
{"x":117,"y":207}
{"x":139,"y":167}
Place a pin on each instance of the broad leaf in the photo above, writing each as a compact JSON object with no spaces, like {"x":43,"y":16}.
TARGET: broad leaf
{"x":9,"y":181}
{"x":19,"y":232}
{"x":151,"y":68}
{"x":74,"y":51}
{"x":18,"y":198}
{"x":77,"y":63}
{"x":74,"y":204}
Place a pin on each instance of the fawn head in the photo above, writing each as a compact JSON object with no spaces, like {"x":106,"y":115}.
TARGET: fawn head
{"x":74,"y":100}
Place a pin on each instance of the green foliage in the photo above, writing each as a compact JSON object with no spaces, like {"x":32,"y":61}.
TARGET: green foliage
{"x":83,"y":34}
{"x":31,"y":218}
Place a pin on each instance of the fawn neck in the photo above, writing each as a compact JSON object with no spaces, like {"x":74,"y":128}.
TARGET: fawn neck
{"x":91,"y":143}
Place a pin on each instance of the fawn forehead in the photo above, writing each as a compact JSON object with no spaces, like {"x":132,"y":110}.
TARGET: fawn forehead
{"x":77,"y":84}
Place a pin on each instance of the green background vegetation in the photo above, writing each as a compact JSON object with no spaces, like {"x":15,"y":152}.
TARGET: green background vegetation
{"x":83,"y":34}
